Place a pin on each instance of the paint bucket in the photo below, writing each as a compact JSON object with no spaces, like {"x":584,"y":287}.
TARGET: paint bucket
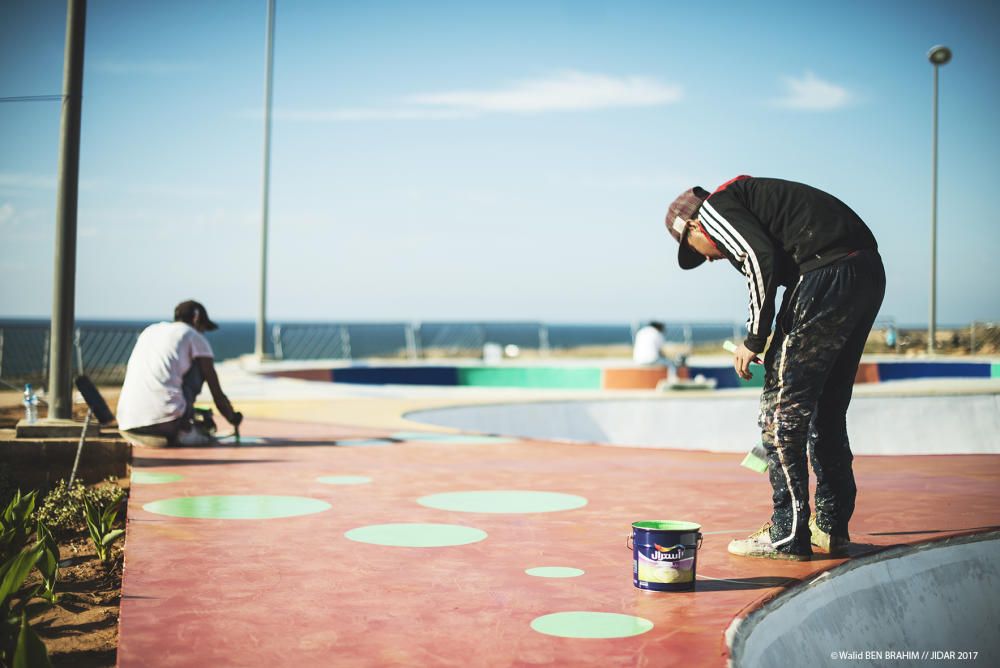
{"x":664,"y":554}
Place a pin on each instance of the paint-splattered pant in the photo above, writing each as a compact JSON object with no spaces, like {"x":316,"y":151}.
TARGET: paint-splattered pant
{"x":810,"y":367}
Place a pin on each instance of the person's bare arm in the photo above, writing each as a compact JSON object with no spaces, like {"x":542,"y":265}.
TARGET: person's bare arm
{"x":221,"y":400}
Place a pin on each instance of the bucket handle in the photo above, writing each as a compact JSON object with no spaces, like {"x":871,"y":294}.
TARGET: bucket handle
{"x":628,"y":540}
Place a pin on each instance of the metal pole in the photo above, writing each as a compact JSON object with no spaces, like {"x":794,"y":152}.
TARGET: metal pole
{"x":938,"y":55}
{"x":60,"y":397}
{"x":268,"y":79}
{"x":932,"y":323}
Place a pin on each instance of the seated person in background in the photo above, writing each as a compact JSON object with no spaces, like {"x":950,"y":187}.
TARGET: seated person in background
{"x":649,"y":342}
{"x":165,"y":373}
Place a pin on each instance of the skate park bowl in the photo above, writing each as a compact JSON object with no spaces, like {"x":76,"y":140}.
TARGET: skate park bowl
{"x":881,"y":422}
{"x":930,"y":602}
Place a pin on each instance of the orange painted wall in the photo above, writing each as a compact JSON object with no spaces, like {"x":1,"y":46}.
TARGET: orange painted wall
{"x":867,"y":373}
{"x":633,"y":379}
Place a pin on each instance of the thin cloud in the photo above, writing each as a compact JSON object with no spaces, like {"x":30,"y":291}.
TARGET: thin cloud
{"x":567,"y":91}
{"x":362,"y":114}
{"x":562,"y":92}
{"x":23,"y":181}
{"x":810,"y":93}
{"x":146,"y":67}
{"x":6,"y":214}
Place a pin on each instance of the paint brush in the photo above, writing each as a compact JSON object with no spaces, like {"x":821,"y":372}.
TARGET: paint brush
{"x":756,"y":459}
{"x":236,"y":426}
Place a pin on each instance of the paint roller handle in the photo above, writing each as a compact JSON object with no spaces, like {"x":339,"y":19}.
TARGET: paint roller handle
{"x":628,"y":541}
{"x":731,"y":347}
{"x":236,"y":422}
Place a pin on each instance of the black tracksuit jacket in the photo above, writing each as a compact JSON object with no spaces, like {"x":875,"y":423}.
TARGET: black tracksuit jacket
{"x":773,"y":231}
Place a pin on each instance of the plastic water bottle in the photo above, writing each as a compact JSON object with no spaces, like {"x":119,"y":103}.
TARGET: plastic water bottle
{"x":30,"y":405}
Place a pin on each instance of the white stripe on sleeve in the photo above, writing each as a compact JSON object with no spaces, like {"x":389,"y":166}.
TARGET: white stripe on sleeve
{"x":750,"y":265}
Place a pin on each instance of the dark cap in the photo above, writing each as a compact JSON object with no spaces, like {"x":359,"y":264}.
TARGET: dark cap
{"x":683,"y":209}
{"x":189,"y":310}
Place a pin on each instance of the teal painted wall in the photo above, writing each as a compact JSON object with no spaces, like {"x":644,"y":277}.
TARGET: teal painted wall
{"x":576,"y":378}
{"x":756,"y":381}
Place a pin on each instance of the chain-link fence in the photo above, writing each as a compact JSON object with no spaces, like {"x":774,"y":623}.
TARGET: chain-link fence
{"x":102,"y":351}
{"x":977,"y":338}
{"x":310,"y":342}
{"x":24,"y":354}
{"x":984,"y":338}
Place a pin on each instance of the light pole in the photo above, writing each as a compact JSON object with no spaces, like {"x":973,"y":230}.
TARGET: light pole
{"x":938,"y":55}
{"x":64,"y":275}
{"x":266,"y":183}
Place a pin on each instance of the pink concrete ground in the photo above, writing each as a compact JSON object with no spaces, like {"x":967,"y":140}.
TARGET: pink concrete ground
{"x":296,"y":592}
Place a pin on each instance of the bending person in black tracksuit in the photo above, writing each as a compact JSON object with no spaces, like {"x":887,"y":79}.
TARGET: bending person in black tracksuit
{"x":784,"y":233}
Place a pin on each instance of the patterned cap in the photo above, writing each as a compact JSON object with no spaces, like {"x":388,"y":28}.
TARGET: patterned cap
{"x":683,"y":209}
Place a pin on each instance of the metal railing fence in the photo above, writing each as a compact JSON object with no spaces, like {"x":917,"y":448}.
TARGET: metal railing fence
{"x":102,"y":351}
{"x":24,"y":354}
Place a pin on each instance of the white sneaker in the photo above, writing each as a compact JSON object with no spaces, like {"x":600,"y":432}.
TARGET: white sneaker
{"x":194,"y":436}
{"x":758,"y":544}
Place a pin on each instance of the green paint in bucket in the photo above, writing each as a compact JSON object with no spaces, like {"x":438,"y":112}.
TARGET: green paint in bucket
{"x":664,"y":554}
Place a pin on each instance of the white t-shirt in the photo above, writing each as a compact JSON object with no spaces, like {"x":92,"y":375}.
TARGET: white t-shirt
{"x":151,"y":393}
{"x":648,"y":343}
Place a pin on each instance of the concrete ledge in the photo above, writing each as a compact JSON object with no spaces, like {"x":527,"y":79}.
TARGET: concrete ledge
{"x":52,"y":428}
{"x":41,"y":462}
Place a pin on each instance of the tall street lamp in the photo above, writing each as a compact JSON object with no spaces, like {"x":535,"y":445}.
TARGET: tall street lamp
{"x":938,"y":55}
{"x":265,"y":185}
{"x":60,"y":390}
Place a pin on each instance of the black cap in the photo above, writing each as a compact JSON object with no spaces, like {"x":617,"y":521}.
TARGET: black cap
{"x":189,"y":310}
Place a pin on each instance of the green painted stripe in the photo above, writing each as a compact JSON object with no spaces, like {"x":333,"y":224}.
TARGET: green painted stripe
{"x":995,"y":372}
{"x":577,"y":378}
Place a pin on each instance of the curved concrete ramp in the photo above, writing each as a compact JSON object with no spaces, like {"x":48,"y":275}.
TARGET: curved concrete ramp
{"x":929,"y":602}
{"x":879,"y":425}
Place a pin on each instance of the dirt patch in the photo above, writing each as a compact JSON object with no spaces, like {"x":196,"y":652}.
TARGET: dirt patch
{"x":81,"y":630}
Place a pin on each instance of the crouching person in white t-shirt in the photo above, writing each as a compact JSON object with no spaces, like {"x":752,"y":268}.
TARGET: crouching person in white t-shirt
{"x":168,"y":366}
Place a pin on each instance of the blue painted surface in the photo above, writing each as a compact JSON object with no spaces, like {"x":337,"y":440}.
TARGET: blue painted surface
{"x":725,"y":376}
{"x":908,"y":370}
{"x":398,"y":375}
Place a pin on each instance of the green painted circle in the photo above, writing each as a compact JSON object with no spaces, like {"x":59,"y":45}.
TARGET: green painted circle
{"x":244,"y":440}
{"x":666,"y":525}
{"x":591,"y":625}
{"x":416,"y":535}
{"x":154,"y":477}
{"x":554,"y":572}
{"x":503,"y":501}
{"x":344,"y":479}
{"x":361,"y":442}
{"x":436,"y":437}
{"x":237,"y":507}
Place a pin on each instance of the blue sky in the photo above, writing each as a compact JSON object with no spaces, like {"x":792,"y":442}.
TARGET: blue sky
{"x":474,"y":160}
